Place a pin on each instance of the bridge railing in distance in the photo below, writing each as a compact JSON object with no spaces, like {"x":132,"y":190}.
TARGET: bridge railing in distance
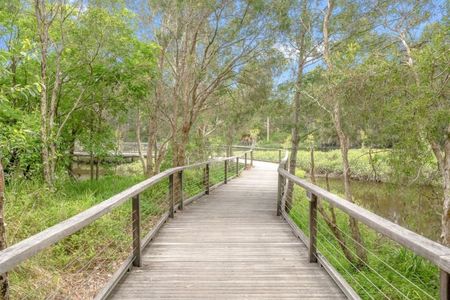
{"x":376,"y":259}
{"x":85,"y":256}
{"x":265,"y":154}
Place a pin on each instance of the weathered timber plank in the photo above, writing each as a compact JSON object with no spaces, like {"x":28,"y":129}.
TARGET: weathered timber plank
{"x":229,"y":245}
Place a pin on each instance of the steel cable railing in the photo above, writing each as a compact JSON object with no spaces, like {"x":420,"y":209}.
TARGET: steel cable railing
{"x":399,"y":264}
{"x":86,"y":255}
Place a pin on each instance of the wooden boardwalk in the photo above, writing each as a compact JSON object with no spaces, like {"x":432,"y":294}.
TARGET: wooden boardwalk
{"x":229,"y":245}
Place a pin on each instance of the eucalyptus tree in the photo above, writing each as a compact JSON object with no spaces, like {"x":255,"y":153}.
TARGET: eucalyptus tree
{"x":419,"y":93}
{"x":342,"y":32}
{"x":203,"y":44}
{"x":245,"y":101}
{"x":82,"y":48}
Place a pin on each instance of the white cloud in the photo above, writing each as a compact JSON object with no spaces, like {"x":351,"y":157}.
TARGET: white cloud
{"x":288,"y":51}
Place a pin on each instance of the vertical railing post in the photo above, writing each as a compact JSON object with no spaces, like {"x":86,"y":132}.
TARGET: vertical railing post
{"x":445,"y":285}
{"x":225,"y":171}
{"x":279,"y":155}
{"x":280,"y":193}
{"x":245,"y":160}
{"x":136,"y":227}
{"x":207,"y":179}
{"x":171,"y":197}
{"x":312,"y":228}
{"x":237,"y":166}
{"x":180,"y":188}
{"x":251,"y":158}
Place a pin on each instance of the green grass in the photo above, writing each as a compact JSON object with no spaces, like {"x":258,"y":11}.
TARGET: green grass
{"x":373,"y":167}
{"x":78,"y":266}
{"x":391,"y":270}
{"x":331,"y":162}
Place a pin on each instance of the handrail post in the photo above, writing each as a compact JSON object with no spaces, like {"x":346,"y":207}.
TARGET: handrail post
{"x":206,"y":179}
{"x":280,"y":179}
{"x":225,"y":171}
{"x":279,"y":155}
{"x":313,"y":229}
{"x":180,"y":183}
{"x":251,"y":158}
{"x":245,"y":160}
{"x":136,"y":227}
{"x":445,"y":285}
{"x":171,"y":197}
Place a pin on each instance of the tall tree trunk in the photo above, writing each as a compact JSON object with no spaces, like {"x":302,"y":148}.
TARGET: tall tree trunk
{"x":229,"y":140}
{"x":139,"y":143}
{"x":312,"y":165}
{"x":151,"y":146}
{"x":71,"y":153}
{"x":4,"y":283}
{"x":330,"y":220}
{"x":344,"y":145}
{"x":91,"y":165}
{"x":442,"y":155}
{"x":179,"y":158}
{"x":343,"y":138}
{"x":97,"y":171}
{"x":52,"y":115}
{"x":297,"y":103}
{"x":42,"y":26}
{"x":446,"y":205}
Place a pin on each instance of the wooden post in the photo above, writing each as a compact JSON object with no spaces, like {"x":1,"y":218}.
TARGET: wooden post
{"x":279,"y":155}
{"x":136,"y":221}
{"x":245,"y":160}
{"x":445,"y":285}
{"x":225,"y":171}
{"x":251,"y":158}
{"x":312,"y":228}
{"x":280,"y":192}
{"x":171,"y":196}
{"x":207,"y":179}
{"x":180,"y":188}
{"x":237,"y":166}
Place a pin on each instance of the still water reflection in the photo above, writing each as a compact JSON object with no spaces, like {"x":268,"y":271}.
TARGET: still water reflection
{"x":415,"y":207}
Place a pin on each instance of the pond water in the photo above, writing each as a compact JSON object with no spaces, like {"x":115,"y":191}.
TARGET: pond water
{"x":416,"y":207}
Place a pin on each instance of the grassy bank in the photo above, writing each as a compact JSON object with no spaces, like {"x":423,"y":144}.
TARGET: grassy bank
{"x":365,"y":164}
{"x":78,"y":266}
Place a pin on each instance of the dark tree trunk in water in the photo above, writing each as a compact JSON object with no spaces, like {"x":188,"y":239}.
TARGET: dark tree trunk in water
{"x":330,"y":220}
{"x":4,"y":284}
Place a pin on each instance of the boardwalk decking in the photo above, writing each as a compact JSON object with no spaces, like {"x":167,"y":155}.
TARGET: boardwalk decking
{"x":229,"y":245}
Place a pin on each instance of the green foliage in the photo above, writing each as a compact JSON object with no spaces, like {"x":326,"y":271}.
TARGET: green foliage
{"x":19,"y":141}
{"x":390,"y":272}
